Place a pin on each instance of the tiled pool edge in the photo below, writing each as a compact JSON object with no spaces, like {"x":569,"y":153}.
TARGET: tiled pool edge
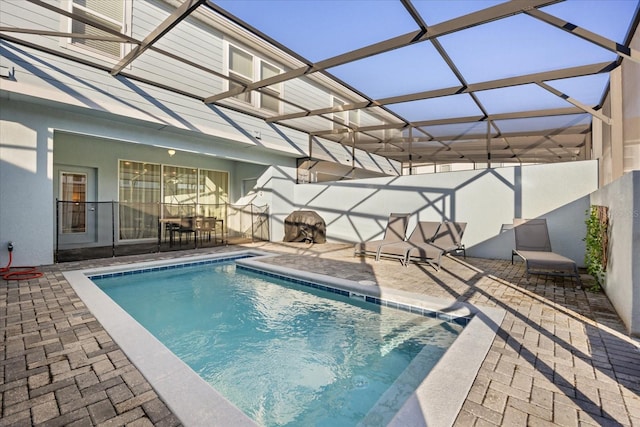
{"x":448,"y":310}
{"x":436,"y":402}
{"x":191,"y":399}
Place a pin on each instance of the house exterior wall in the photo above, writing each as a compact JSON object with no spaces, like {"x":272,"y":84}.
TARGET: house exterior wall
{"x":631,"y":110}
{"x":48,"y":95}
{"x":51,"y":77}
{"x":617,"y":146}
{"x":26,"y":169}
{"x":38,"y":140}
{"x":622,"y":283}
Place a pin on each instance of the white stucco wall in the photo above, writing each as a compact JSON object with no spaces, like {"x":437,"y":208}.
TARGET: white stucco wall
{"x":622,"y":284}
{"x":26,"y":211}
{"x":485,"y":199}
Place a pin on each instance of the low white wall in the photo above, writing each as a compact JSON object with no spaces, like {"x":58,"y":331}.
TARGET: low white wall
{"x":485,"y":199}
{"x":622,"y":284}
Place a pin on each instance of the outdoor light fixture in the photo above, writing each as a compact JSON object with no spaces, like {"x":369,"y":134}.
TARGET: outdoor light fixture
{"x":171,"y":152}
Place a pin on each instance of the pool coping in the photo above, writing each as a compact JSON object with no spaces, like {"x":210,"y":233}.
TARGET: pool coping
{"x":436,"y":402}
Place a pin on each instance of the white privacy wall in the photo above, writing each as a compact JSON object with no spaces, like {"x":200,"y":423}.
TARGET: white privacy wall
{"x":622,"y":283}
{"x":485,"y":199}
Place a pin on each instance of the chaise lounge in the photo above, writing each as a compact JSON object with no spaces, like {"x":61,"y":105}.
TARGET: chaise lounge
{"x":534,"y":247}
{"x":447,"y":239}
{"x":428,"y":242}
{"x":396,"y":231}
{"x":419,"y":240}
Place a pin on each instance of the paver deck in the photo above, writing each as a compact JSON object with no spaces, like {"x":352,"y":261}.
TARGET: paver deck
{"x":561,"y":355}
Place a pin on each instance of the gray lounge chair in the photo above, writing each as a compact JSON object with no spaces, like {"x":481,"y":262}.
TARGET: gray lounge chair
{"x":396,"y":231}
{"x":418,"y":241}
{"x":534,"y":247}
{"x":447,"y":239}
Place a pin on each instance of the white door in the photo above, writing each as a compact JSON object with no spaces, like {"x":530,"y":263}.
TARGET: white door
{"x":77,"y":207}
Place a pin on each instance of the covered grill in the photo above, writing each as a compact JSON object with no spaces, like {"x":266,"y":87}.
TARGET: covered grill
{"x":304,"y":226}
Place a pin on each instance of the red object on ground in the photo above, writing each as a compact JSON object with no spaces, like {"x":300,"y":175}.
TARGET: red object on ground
{"x":24,"y":273}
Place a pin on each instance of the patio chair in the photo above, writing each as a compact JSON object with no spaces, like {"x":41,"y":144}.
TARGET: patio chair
{"x":206,"y":226}
{"x":396,"y":231}
{"x":419,"y":241}
{"x":534,"y":247}
{"x":447,"y":239}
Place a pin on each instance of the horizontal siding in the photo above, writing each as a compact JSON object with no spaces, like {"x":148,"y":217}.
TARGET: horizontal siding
{"x":189,"y":40}
{"x":330,"y":151}
{"x":22,"y":14}
{"x":74,"y":83}
{"x":307,"y":94}
{"x":98,"y":90}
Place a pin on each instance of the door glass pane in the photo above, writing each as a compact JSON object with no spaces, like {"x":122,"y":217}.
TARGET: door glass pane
{"x":139,"y":182}
{"x":213,"y":192}
{"x":74,"y":213}
{"x":139,"y":195}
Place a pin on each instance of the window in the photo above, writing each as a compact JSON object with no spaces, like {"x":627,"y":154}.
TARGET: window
{"x":243,"y":67}
{"x":269,"y":95}
{"x":183,"y":191}
{"x":343,"y":119}
{"x":114,"y":14}
{"x":339,"y":118}
{"x":74,"y":191}
{"x":180,"y":185}
{"x":213,"y":192}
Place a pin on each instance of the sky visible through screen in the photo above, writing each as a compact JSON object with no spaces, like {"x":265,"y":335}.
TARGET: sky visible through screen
{"x":518,"y":45}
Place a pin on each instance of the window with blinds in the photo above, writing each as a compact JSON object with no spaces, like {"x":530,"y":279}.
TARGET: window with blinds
{"x":269,"y":95}
{"x":108,"y":13}
{"x":243,"y":68}
{"x":339,"y":118}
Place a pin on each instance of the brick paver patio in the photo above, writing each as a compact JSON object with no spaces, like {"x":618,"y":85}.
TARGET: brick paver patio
{"x":561,"y":355}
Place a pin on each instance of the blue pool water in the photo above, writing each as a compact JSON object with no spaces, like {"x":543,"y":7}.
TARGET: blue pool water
{"x":284,"y":353}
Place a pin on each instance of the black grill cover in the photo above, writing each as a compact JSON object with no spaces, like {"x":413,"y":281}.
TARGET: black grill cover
{"x":305,"y":226}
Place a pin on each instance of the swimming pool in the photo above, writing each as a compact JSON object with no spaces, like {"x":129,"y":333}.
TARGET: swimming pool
{"x":437,"y":399}
{"x":284,"y":351}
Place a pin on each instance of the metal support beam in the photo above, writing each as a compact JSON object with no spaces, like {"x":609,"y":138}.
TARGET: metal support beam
{"x":172,"y":20}
{"x":117,"y":39}
{"x":617,"y":135}
{"x":483,"y":16}
{"x":84,"y":19}
{"x":488,"y":144}
{"x":575,"y":102}
{"x":584,"y":70}
{"x":624,"y":51}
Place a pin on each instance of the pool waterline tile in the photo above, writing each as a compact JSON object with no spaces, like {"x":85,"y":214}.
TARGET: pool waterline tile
{"x":459,"y":320}
{"x":465,"y":355}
